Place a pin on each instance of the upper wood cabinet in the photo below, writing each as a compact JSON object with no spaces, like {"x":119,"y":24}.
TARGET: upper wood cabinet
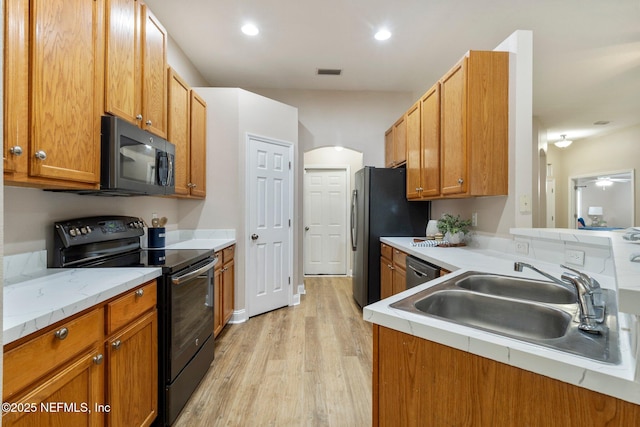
{"x":187,"y":131}
{"x":459,"y":148}
{"x":474,"y":126}
{"x":396,"y":143}
{"x":53,"y":86}
{"x":136,"y":66}
{"x":198,"y":163}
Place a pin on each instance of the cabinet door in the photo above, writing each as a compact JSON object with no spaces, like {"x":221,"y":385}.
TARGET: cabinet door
{"x":399,"y":279}
{"x":178,"y":132}
{"x":133,"y":374}
{"x":66,"y":88}
{"x":154,"y":74}
{"x":414,"y":164}
{"x":388,"y":148}
{"x":217,"y":303}
{"x":228,"y":282}
{"x":122,"y":60}
{"x":430,"y":142}
{"x":453,"y":132}
{"x":386,"y":278}
{"x":400,"y":141}
{"x":198,"y":165}
{"x":16,"y":86}
{"x":79,"y":385}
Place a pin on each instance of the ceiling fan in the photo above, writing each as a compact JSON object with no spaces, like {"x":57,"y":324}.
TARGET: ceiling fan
{"x":607,"y":181}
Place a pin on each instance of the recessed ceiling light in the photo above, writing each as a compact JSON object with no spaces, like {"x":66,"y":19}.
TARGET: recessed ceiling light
{"x":382,"y":34}
{"x":250,"y":29}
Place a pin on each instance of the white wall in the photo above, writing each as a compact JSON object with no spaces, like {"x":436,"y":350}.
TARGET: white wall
{"x":232,"y":114}
{"x":352,"y":119}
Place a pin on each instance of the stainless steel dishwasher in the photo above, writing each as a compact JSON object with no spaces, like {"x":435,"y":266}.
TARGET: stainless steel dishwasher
{"x":419,"y":272}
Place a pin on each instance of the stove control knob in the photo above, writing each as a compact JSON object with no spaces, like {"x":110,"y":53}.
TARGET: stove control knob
{"x":83,"y":230}
{"x":89,"y":229}
{"x":72,"y":232}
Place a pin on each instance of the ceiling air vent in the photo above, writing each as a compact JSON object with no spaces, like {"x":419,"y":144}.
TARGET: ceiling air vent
{"x":328,"y":71}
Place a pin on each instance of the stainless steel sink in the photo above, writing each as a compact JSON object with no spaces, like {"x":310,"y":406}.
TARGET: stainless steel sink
{"x":499,"y":315}
{"x":516,"y":287}
{"x":514,"y":307}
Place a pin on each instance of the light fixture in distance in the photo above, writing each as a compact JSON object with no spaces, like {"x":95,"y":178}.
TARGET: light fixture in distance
{"x":382,"y":34}
{"x":250,"y":29}
{"x":564,"y":142}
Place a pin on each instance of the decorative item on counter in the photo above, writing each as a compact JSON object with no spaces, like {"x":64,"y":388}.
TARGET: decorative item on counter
{"x":432,"y":229}
{"x":155,"y":222}
{"x":438,"y":236}
{"x":454,"y":228}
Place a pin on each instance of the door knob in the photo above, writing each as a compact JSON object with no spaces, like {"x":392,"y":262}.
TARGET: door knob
{"x":254,"y":237}
{"x":16,"y":151}
{"x":306,"y":228}
{"x":41,"y":155}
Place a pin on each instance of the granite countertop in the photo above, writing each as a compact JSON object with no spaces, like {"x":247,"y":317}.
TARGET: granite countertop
{"x":614,"y":380}
{"x":36,"y":296}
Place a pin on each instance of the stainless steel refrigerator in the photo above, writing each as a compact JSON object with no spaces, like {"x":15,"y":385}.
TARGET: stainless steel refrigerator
{"x":379,"y":208}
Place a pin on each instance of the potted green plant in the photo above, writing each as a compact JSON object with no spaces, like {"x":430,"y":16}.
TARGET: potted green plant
{"x":454,"y":228}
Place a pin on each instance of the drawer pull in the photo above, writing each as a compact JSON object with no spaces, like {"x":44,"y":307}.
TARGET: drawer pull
{"x":139,"y":292}
{"x":116,"y":344}
{"x":62,"y":333}
{"x":98,"y":359}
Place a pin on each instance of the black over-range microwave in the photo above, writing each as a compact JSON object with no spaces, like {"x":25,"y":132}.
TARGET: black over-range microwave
{"x":134,"y":161}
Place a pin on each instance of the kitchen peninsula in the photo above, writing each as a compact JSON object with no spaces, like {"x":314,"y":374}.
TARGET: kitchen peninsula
{"x":427,"y":368}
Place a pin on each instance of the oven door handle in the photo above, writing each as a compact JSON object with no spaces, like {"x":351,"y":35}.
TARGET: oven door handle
{"x":178,"y":280}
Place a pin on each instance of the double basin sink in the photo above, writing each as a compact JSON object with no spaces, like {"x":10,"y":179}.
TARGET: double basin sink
{"x":535,"y":311}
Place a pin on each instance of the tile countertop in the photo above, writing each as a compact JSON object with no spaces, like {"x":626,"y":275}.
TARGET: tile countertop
{"x":36,"y":296}
{"x":614,"y":380}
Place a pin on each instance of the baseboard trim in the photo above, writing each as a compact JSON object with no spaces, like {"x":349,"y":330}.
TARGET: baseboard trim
{"x":239,"y":316}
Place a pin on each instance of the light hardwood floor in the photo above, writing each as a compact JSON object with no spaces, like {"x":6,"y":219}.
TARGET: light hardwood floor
{"x":307,"y":365}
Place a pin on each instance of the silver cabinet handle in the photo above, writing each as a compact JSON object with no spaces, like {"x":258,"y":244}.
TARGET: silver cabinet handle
{"x":116,"y":344}
{"x":62,"y":333}
{"x":41,"y":155}
{"x":148,"y":122}
{"x":139,"y":292}
{"x":139,"y":117}
{"x":254,"y":237}
{"x":98,"y":359}
{"x":306,"y":228}
{"x":16,"y":151}
{"x":460,"y":180}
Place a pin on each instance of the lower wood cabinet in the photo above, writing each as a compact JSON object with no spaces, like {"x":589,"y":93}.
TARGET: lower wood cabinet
{"x":224,"y":283}
{"x":393,"y":271}
{"x":417,"y":382}
{"x":98,"y":367}
{"x":132,"y":381}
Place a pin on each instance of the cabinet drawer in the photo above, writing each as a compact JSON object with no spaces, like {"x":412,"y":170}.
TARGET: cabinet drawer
{"x":130,"y":306}
{"x":227,"y":254}
{"x":26,"y":363}
{"x":385,"y":250}
{"x":399,"y":258}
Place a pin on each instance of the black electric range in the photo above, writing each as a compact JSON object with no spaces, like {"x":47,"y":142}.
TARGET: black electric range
{"x":185,"y":296}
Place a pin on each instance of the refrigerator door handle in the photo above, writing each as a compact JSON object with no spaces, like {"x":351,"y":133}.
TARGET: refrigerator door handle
{"x":354,"y":219}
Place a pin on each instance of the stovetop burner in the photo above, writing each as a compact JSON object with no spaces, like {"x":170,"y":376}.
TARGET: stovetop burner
{"x":114,"y":241}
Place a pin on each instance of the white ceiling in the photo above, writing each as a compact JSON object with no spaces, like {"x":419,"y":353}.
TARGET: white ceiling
{"x":586,"y":52}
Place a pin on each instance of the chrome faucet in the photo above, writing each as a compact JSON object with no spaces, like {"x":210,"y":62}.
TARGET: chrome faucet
{"x":591,"y":309}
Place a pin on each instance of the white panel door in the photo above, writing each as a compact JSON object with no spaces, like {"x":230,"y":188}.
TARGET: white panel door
{"x":270,"y":202}
{"x":325,"y":213}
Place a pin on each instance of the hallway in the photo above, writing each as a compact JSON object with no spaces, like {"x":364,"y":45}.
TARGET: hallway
{"x":307,"y":365}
